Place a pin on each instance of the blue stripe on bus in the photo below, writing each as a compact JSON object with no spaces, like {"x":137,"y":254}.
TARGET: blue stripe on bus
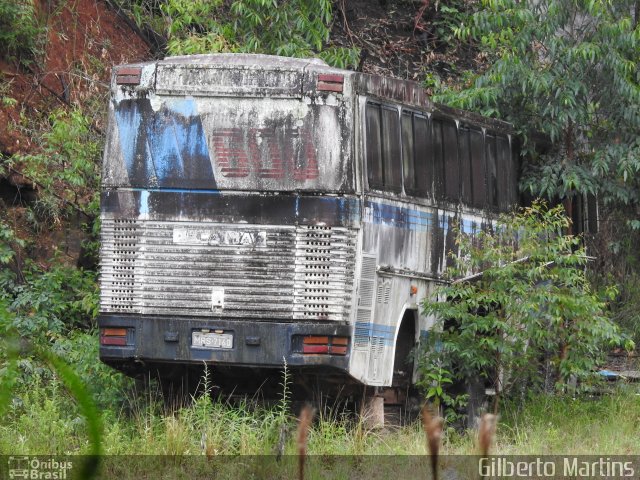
{"x":375,"y":212}
{"x":411,"y":219}
{"x":367,"y":331}
{"x":174,"y":190}
{"x":167,"y":145}
{"x":144,"y":202}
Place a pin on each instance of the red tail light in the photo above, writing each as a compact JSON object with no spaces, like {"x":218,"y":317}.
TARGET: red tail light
{"x":330,"y":83}
{"x":113,"y":336}
{"x":128,"y":75}
{"x":325,"y":345}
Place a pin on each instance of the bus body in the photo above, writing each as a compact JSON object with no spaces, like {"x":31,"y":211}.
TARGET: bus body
{"x":262,"y":210}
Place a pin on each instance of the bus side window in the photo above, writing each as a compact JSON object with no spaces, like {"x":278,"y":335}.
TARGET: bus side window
{"x":438,"y":159}
{"x":465,"y":164}
{"x":478,"y":168}
{"x":451,"y":162}
{"x":384,"y":162}
{"x":515,"y":171}
{"x":423,"y":156}
{"x":392,"y":161}
{"x":492,"y":165}
{"x":374,"y":146}
{"x":408,"y":155}
{"x":504,"y":170}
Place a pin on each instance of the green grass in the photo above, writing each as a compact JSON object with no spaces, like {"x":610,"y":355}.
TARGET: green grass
{"x":562,"y":425}
{"x":240,"y":440}
{"x":44,"y":419}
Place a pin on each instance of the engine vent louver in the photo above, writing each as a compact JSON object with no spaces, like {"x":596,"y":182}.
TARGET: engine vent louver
{"x":299,"y":273}
{"x":119,"y":254}
{"x":366,"y":300}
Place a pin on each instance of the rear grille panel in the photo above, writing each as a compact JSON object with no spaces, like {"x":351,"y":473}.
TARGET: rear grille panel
{"x":324,"y":271}
{"x":302,"y":273}
{"x":120,"y":239}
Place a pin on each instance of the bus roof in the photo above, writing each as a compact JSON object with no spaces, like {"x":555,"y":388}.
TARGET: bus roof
{"x":405,"y":92}
{"x":245,"y":60}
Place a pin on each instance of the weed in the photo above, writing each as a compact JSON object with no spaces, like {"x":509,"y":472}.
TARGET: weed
{"x":21,"y":31}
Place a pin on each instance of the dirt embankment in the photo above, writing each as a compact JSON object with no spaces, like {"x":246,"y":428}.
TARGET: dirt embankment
{"x":81,"y":41}
{"x":84,"y":38}
{"x":406,"y":39}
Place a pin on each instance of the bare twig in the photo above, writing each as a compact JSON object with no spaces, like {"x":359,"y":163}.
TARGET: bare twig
{"x":59,"y":197}
{"x":418,"y":17}
{"x":344,"y":21}
{"x":486,"y":434}
{"x":304,"y":423}
{"x":433,"y":430}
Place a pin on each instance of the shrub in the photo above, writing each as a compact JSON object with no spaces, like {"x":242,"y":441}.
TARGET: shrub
{"x":20,"y":30}
{"x":530,"y":318}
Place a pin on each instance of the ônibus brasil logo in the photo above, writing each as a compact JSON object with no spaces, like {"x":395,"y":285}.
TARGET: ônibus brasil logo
{"x":35,"y":468}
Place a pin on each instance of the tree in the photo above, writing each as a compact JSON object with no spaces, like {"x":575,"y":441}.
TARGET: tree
{"x":294,"y":28}
{"x":529,"y":317}
{"x":568,"y":70}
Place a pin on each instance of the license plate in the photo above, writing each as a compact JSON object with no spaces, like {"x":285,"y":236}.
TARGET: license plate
{"x":211,"y":340}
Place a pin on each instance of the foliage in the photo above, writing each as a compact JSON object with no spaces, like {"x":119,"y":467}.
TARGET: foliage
{"x":295,"y":28}
{"x":49,"y":303}
{"x":341,"y":57}
{"x":49,"y":312}
{"x":437,"y":383}
{"x":18,"y":357}
{"x":568,"y":70}
{"x":446,"y":21}
{"x":625,"y":311}
{"x":9,"y":242}
{"x":531,"y":318}
{"x":44,"y":419}
{"x":20,"y":30}
{"x":66,"y":169}
{"x":290,"y":28}
{"x":5,"y":94}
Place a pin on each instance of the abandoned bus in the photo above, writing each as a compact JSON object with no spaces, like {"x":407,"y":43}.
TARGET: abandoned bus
{"x":258,"y":210}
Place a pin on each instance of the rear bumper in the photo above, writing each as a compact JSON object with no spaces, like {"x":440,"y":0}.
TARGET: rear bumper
{"x":157,"y":339}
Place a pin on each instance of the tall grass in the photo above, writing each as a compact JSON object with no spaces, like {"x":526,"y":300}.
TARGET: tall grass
{"x":44,"y":419}
{"x":608,"y":424}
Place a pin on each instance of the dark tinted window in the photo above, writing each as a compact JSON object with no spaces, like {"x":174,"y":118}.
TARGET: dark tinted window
{"x":592,"y":214}
{"x":384,"y":162}
{"x":374,"y":146}
{"x":504,"y":172}
{"x":417,"y":154}
{"x":478,"y":168}
{"x":423,"y":156}
{"x":408,"y":156}
{"x":391,"y":149}
{"x":514,"y":172}
{"x":438,"y":159}
{"x":465,"y":164}
{"x":492,"y":174}
{"x":451,"y":162}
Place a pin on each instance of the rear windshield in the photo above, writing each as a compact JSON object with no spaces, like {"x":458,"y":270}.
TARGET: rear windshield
{"x":226,"y":143}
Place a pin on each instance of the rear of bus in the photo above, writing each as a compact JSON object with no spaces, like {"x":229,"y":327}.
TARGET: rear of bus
{"x":228,"y":213}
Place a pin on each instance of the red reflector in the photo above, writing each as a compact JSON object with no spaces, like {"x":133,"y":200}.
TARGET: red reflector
{"x":120,"y":341}
{"x":114,"y":332}
{"x":332,"y":78}
{"x":336,"y":350}
{"x":315,"y":349}
{"x":315,"y":340}
{"x":329,"y":87}
{"x":330,"y":83}
{"x":128,"y":75}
